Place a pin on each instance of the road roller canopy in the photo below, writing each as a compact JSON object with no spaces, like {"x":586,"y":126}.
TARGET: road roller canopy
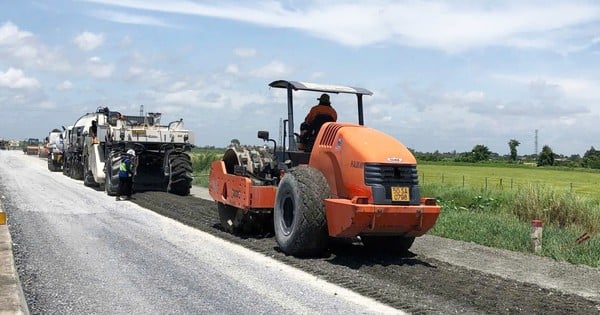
{"x":316,"y":87}
{"x":292,"y":86}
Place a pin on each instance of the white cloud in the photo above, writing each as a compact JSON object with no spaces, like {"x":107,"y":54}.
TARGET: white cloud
{"x":182,"y":97}
{"x":98,"y":69}
{"x":11,"y":35}
{"x":140,"y":73}
{"x":16,"y":79}
{"x":446,"y":25}
{"x":65,"y":85}
{"x":47,"y":105}
{"x":579,"y":90}
{"x":245,"y":52}
{"x":464,"y":97}
{"x":273,"y":70}
{"x":178,"y":85}
{"x":317,"y":75}
{"x":125,"y":18}
{"x":89,"y":41}
{"x":23,"y":49}
{"x":232,"y":69}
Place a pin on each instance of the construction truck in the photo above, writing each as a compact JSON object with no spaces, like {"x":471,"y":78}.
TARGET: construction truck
{"x":31,"y":146}
{"x":97,"y":141}
{"x":43,"y":149}
{"x":4,"y":144}
{"x":350,"y":181}
{"x":55,"y":146}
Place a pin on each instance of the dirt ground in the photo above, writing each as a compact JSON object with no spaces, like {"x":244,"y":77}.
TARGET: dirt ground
{"x":415,"y":283}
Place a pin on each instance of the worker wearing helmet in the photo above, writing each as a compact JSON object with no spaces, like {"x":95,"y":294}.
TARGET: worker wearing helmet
{"x":126,"y":176}
{"x":318,"y":115}
{"x":323,"y":108}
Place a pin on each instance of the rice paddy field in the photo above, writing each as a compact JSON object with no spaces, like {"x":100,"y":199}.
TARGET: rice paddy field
{"x":500,"y":177}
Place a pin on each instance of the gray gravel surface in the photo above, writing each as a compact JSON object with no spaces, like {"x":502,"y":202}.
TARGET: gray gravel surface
{"x":416,"y":282}
{"x":79,"y":251}
{"x":440,"y":276}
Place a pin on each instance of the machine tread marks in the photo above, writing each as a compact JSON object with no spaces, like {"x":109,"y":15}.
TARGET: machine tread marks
{"x":299,"y":215}
{"x":180,"y":178}
{"x":393,"y":244}
{"x":112,"y":165}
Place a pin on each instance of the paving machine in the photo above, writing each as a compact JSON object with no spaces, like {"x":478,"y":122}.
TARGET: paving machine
{"x":55,"y":146}
{"x":98,"y":140}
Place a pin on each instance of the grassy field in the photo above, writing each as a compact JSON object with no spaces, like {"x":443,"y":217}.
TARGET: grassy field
{"x":499,"y":214}
{"x":201,"y":160}
{"x":498,"y":177}
{"x":505,"y":230}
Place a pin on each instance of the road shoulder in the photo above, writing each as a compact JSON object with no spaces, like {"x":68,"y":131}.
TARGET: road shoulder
{"x":12,"y":299}
{"x":544,"y":272}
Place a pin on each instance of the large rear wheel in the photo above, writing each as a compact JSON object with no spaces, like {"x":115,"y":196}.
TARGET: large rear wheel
{"x":180,"y":178}
{"x":76,"y":172}
{"x":76,"y":169}
{"x":299,"y":215}
{"x":88,"y":177}
{"x":111,"y":173}
{"x":66,"y":165}
{"x":51,"y":166}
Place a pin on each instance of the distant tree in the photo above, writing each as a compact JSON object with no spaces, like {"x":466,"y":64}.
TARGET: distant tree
{"x":591,"y":158}
{"x":235,"y":141}
{"x":480,"y":153}
{"x":513,"y":144}
{"x":546,"y":157}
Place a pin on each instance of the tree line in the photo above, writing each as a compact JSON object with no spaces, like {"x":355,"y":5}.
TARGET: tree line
{"x":481,"y":153}
{"x":546,"y":157}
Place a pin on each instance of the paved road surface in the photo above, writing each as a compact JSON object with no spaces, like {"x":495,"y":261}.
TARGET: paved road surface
{"x":115,"y":227}
{"x":87,"y":253}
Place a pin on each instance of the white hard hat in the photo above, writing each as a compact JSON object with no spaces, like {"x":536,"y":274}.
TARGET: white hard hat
{"x":131,"y":152}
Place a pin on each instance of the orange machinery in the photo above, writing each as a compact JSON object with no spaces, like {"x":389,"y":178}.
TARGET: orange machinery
{"x":356,"y":181}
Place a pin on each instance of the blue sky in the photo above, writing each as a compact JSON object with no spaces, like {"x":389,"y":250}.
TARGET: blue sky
{"x":446,"y":75}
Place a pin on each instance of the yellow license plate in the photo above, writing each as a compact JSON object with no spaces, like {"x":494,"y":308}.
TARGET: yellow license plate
{"x":400,"y":194}
{"x":139,"y":132}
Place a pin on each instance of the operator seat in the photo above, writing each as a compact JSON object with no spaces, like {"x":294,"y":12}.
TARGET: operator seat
{"x":312,"y":130}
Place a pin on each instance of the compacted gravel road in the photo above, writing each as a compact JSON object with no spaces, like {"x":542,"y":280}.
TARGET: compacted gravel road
{"x":79,"y":251}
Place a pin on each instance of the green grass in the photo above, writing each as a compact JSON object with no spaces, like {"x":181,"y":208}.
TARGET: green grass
{"x":499,"y":177}
{"x":489,"y":229}
{"x":201,"y":160}
{"x":502,"y":219}
{"x":507,"y":231}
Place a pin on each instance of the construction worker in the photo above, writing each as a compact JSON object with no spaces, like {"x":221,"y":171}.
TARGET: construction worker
{"x":316,"y":117}
{"x":126,"y":176}
{"x":323,"y":108}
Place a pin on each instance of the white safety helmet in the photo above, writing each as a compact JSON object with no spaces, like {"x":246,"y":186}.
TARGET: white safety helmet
{"x":131,"y":152}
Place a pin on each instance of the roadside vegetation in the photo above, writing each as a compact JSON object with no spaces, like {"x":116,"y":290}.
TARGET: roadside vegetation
{"x":201,"y":160}
{"x":502,"y":219}
{"x":493,"y":202}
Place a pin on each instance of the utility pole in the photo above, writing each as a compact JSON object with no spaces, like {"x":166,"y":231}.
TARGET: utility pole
{"x":536,"y":143}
